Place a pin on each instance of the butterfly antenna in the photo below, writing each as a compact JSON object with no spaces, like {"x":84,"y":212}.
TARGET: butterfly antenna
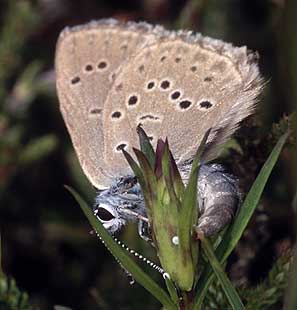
{"x":136,"y":254}
{"x":140,"y":257}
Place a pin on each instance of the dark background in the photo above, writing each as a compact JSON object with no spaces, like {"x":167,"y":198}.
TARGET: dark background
{"x":47,"y":247}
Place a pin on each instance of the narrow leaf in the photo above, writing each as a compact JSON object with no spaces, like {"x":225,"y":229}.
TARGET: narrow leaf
{"x":226,"y":284}
{"x":235,"y":231}
{"x":189,"y":201}
{"x":188,"y":215}
{"x":166,"y":168}
{"x":171,"y":289}
{"x":176,"y":177}
{"x":135,"y":168}
{"x":188,"y":212}
{"x":200,"y":150}
{"x":159,"y":155}
{"x":148,"y":174}
{"x":146,"y":146}
{"x":123,"y":257}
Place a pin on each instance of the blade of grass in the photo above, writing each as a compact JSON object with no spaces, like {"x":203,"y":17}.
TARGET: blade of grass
{"x":135,"y":168}
{"x":123,"y":257}
{"x":178,"y":184}
{"x":171,"y":288}
{"x":166,"y":168}
{"x":148,"y":173}
{"x":146,"y":146}
{"x":189,"y":201}
{"x":235,"y":231}
{"x":226,"y":284}
{"x":158,"y":169}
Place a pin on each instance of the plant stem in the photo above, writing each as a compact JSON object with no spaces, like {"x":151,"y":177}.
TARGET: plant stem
{"x":226,"y":284}
{"x":187,"y":300}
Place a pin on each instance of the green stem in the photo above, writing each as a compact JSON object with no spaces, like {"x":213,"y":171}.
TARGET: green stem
{"x":226,"y":284}
{"x":187,"y":300}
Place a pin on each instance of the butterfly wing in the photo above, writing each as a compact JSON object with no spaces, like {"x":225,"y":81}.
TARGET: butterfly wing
{"x":178,"y":88}
{"x":87,"y":60}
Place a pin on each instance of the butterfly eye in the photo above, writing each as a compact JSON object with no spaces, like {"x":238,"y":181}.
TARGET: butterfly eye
{"x":104,"y":215}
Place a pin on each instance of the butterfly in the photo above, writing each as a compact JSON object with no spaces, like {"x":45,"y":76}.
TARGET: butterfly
{"x":112,"y":77}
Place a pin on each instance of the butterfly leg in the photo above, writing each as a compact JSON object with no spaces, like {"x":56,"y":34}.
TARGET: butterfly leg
{"x":218,"y":198}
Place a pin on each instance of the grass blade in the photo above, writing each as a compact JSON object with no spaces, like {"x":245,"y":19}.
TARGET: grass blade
{"x":150,"y":183}
{"x":235,"y":231}
{"x":226,"y":284}
{"x":135,"y":167}
{"x":168,"y":176}
{"x":171,"y":288}
{"x":123,"y":257}
{"x":189,"y":201}
{"x":146,"y":146}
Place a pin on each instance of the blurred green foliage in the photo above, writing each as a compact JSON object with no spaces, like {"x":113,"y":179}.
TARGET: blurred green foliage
{"x":18,"y":23}
{"x":11,"y":297}
{"x":267,"y":295}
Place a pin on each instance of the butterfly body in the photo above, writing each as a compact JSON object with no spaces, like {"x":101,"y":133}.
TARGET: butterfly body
{"x":218,"y":198}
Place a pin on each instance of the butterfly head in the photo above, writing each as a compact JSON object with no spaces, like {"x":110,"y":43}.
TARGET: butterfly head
{"x":122,"y":202}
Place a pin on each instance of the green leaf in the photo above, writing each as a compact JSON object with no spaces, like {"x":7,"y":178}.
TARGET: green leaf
{"x":171,"y":288}
{"x":135,"y":168}
{"x":167,"y":173}
{"x":200,"y":151}
{"x":176,"y":177}
{"x":226,"y":284}
{"x":158,"y":169}
{"x":146,"y":146}
{"x":241,"y":220}
{"x":188,"y":214}
{"x":148,"y":173}
{"x":189,"y":210}
{"x":123,"y":257}
{"x":165,"y":217}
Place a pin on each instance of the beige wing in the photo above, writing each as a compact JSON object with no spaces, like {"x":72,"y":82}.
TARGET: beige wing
{"x":179,"y":88}
{"x":87,"y":61}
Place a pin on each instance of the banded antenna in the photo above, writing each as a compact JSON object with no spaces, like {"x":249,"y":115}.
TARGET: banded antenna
{"x":136,"y":254}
